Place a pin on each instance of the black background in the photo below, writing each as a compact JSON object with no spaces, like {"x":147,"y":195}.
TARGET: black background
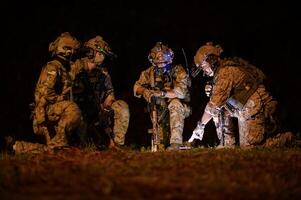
{"x":263,"y":32}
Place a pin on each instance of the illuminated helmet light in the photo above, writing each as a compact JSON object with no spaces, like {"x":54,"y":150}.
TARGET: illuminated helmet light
{"x":99,"y":45}
{"x":160,"y":54}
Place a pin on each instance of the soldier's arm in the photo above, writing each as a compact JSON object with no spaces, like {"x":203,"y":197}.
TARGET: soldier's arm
{"x":48,"y":79}
{"x":109,"y":90}
{"x":181,"y":83}
{"x":220,"y":93}
{"x":140,"y":86}
{"x":222,"y":88}
{"x":76,"y":68}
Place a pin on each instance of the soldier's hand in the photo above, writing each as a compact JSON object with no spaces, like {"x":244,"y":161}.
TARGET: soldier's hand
{"x":198,"y":132}
{"x":208,"y":90}
{"x":147,"y":95}
{"x":159,"y":94}
{"x":61,"y":98}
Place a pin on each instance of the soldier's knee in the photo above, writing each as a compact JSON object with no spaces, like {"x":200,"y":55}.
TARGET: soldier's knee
{"x":120,"y":107}
{"x":175,"y":105}
{"x":73,"y":113}
{"x":120,"y":104}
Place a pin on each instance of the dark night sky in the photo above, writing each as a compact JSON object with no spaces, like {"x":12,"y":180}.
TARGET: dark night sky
{"x":263,"y":32}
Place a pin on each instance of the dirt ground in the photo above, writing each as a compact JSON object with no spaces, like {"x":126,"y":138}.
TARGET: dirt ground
{"x":190,"y":174}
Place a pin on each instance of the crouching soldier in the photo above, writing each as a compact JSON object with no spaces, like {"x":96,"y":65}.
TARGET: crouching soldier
{"x":93,"y":91}
{"x":56,"y":116}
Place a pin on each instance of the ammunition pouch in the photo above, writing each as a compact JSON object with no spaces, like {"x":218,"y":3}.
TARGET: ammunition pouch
{"x":241,"y":95}
{"x":253,"y":78}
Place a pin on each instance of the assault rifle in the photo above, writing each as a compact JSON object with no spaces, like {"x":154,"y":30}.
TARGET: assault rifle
{"x":157,"y":107}
{"x":155,"y":140}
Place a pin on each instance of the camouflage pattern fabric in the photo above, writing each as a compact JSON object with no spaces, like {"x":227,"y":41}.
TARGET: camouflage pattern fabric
{"x":224,"y":128}
{"x":121,"y":120}
{"x":254,"y":119}
{"x":55,"y":115}
{"x":179,"y":81}
{"x":28,"y":147}
{"x":177,"y":113}
{"x":178,"y":110}
{"x":223,"y":122}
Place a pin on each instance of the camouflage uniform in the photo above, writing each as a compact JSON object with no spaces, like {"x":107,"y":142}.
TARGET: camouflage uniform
{"x":255,"y":117}
{"x":91,"y":89}
{"x":239,"y":88}
{"x":55,"y":115}
{"x":176,"y":79}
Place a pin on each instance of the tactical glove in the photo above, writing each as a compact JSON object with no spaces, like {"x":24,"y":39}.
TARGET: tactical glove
{"x":198,"y":132}
{"x":208,"y":89}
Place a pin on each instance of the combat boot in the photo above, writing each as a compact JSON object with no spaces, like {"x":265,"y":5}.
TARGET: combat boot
{"x":9,"y":143}
{"x":173,"y":147}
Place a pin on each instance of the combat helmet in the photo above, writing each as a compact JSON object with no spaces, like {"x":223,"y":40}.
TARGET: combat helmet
{"x":206,"y":50}
{"x":160,"y":54}
{"x":64,"y":45}
{"x":98,"y":44}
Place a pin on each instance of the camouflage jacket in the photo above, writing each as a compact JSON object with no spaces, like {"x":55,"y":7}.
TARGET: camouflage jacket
{"x":175,"y":79}
{"x":54,"y":84}
{"x":233,"y":78}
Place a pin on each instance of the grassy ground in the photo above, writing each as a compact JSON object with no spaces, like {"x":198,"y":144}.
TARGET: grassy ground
{"x":192,"y":174}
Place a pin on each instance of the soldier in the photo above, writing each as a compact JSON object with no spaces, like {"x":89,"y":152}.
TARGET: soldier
{"x":169,"y":84}
{"x":94,"y":93}
{"x":56,"y":116}
{"x":238,"y":88}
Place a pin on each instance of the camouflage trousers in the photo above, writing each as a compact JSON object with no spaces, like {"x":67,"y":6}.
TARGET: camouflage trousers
{"x":225,"y":129}
{"x":62,"y":118}
{"x":121,"y":120}
{"x":257,"y":125}
{"x":177,"y":113}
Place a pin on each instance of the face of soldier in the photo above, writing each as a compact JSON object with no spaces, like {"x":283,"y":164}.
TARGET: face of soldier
{"x":161,"y":64}
{"x":207,"y":68}
{"x":65,"y":51}
{"x":99,"y":58}
{"x":161,"y":59}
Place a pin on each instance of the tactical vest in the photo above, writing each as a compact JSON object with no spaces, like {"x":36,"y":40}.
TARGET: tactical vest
{"x":252,"y":79}
{"x":160,"y":79}
{"x":93,"y":83}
